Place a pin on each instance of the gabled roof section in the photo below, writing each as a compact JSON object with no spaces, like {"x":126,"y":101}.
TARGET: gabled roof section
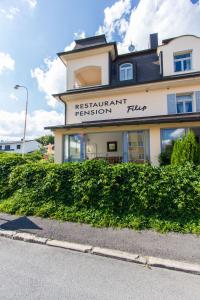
{"x":90,"y":41}
{"x":167,"y":41}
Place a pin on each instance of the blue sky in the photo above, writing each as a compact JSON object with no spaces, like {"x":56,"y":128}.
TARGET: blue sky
{"x":33,"y":31}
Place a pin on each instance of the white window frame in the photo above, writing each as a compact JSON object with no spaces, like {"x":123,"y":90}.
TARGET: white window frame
{"x":178,"y":100}
{"x":126,"y":67}
{"x":182,"y":60}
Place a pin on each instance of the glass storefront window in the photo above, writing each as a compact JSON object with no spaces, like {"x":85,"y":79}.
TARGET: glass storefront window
{"x":138,"y":146}
{"x":72,"y":147}
{"x":66,"y":148}
{"x":170,"y":135}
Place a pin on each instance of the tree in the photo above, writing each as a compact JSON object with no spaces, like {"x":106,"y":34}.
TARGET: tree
{"x":186,"y":149}
{"x":46,"y":140}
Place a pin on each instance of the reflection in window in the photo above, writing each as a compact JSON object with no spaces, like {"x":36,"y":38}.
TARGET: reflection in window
{"x":184,"y":103}
{"x":170,"y":135}
{"x":138,"y":146}
{"x":72,"y":147}
{"x":183,"y":62}
{"x":126,"y":72}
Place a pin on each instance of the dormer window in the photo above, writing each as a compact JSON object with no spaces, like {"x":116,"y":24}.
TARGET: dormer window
{"x":126,"y":72}
{"x":183,"y":61}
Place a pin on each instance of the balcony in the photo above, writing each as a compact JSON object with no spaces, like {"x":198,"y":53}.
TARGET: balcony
{"x":87,"y":76}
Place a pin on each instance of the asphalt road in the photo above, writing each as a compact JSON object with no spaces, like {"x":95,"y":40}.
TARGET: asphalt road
{"x":37,"y":272}
{"x":183,"y":247}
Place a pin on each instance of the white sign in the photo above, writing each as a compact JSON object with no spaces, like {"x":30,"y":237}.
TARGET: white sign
{"x":107,"y":109}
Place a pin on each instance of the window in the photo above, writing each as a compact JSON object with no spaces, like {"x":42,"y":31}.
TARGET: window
{"x":138,"y":146}
{"x":183,"y":62}
{"x":170,"y":135}
{"x":184,"y":103}
{"x":126,"y":72}
{"x":0,"y":147}
{"x":72,"y":147}
{"x":7,"y":147}
{"x":18,"y":147}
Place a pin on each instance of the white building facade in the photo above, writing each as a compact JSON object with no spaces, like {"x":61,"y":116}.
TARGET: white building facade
{"x":128,"y":107}
{"x":17,"y":146}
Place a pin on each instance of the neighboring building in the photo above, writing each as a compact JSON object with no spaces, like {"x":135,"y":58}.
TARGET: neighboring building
{"x":17,"y":146}
{"x":128,"y":107}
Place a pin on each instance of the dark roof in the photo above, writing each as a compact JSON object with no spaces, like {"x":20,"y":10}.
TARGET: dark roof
{"x":89,"y":47}
{"x":90,"y":41}
{"x":189,"y":117}
{"x":137,"y":53}
{"x":17,"y":142}
{"x":127,"y":83}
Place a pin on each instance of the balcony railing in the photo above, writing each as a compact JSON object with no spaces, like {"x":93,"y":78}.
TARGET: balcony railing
{"x":113,"y":159}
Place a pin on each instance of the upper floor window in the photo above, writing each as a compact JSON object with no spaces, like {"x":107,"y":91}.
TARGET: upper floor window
{"x":126,"y":72}
{"x":182,"y":61}
{"x":184,"y":103}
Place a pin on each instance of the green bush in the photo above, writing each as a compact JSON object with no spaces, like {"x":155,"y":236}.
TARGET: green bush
{"x":185,"y":150}
{"x":125,"y":195}
{"x":165,"y":155}
{"x":7,"y":164}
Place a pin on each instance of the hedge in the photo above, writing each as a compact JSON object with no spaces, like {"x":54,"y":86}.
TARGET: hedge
{"x":127,"y":194}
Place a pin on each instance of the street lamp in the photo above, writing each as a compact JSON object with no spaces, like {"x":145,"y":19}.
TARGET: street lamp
{"x":17,"y":86}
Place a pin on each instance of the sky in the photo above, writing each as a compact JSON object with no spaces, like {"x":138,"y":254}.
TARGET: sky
{"x":33,"y":31}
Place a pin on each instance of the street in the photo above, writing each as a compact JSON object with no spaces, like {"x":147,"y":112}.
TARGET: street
{"x":37,"y":272}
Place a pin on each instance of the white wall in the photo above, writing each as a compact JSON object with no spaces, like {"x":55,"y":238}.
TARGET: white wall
{"x":99,"y":140}
{"x":154,"y":100}
{"x":30,"y":146}
{"x":99,"y":60}
{"x":183,"y":43}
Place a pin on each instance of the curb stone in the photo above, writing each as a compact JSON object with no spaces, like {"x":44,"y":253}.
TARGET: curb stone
{"x":28,"y":237}
{"x":71,"y":246}
{"x":149,"y":261}
{"x":174,"y":265}
{"x":7,"y":233}
{"x":119,"y":255}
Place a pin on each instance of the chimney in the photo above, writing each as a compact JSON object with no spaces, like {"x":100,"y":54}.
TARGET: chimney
{"x":153,"y":38}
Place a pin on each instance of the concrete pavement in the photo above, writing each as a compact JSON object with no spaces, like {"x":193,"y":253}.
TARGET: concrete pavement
{"x":147,"y":243}
{"x":37,"y":272}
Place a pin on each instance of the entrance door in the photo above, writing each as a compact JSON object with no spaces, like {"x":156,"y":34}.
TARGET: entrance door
{"x":138,"y":146}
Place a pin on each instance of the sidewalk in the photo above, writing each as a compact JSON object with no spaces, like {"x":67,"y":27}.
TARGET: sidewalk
{"x":148,"y":243}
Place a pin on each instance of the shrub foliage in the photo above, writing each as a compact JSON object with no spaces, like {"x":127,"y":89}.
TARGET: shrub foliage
{"x":126,"y":195}
{"x":185,"y":150}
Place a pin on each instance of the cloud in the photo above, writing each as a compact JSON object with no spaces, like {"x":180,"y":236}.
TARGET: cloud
{"x":10,"y":13}
{"x":115,"y":18}
{"x":134,"y":24}
{"x":158,"y":16}
{"x":31,"y":3}
{"x":36,"y":122}
{"x":13,"y":97}
{"x":126,"y":23}
{"x":51,"y":77}
{"x":6,"y":62}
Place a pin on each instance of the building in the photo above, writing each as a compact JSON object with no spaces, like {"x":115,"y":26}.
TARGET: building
{"x":128,"y":107}
{"x":17,"y":146}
